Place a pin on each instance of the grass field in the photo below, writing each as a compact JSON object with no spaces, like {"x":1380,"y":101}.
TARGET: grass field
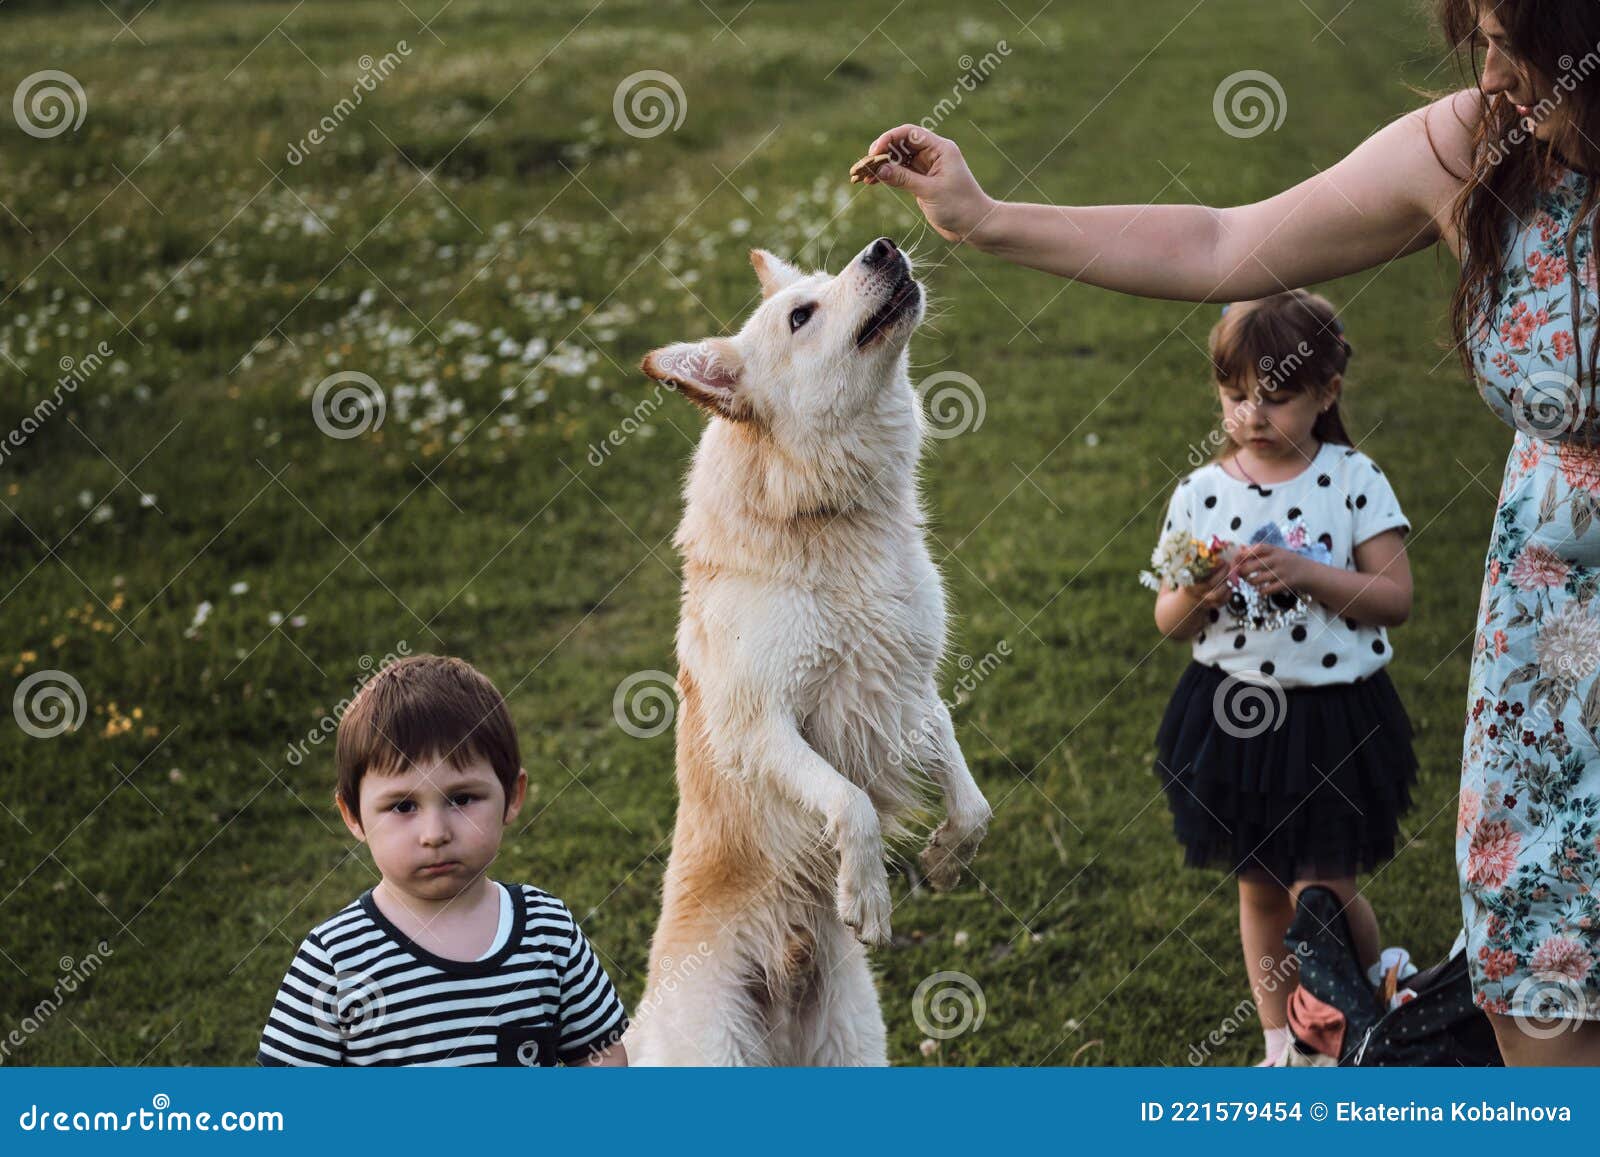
{"x":482,"y":238}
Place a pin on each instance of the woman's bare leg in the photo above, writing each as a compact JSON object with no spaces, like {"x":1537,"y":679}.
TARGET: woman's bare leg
{"x":1577,"y":1042}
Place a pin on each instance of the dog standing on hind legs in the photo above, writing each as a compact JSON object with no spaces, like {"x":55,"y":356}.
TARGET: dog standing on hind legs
{"x":809,"y":638}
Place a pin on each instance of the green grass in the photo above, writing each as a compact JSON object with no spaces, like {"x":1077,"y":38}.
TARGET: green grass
{"x":228,"y":283}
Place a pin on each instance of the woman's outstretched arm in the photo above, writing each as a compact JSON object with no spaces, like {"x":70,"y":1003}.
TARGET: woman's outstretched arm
{"x":1388,"y":197}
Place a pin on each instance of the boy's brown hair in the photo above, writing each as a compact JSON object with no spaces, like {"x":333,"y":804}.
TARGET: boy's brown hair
{"x":1290,"y":342}
{"x":421,"y":707}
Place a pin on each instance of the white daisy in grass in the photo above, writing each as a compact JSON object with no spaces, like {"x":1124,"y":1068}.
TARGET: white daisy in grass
{"x":201,"y":614}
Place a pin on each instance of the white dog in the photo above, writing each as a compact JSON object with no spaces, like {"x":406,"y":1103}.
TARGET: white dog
{"x":811,"y":630}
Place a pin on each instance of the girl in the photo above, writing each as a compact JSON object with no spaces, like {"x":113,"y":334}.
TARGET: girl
{"x":1285,"y":752}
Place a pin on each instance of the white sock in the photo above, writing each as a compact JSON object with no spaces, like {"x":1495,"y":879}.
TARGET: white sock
{"x":1277,"y":1040}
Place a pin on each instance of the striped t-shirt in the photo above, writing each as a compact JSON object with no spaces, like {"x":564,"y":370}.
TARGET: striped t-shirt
{"x":361,"y":992}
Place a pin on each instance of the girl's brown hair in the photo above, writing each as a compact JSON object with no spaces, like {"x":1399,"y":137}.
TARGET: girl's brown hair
{"x":1289,"y":343}
{"x":1560,"y":43}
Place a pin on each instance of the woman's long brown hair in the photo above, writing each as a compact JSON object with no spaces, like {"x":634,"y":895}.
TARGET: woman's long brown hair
{"x":1559,"y":42}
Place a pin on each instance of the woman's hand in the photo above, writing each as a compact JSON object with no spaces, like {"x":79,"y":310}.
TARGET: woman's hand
{"x":1272,"y":568}
{"x":933,"y":170}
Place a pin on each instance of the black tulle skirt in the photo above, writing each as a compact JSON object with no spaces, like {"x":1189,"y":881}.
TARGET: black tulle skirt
{"x":1300,"y":782}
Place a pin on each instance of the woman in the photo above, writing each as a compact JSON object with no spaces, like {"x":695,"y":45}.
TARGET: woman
{"x":1507,"y":175}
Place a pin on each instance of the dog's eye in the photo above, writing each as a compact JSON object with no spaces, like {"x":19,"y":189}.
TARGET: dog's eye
{"x":798,"y":317}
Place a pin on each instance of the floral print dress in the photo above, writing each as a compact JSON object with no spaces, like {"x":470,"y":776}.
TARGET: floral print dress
{"x":1528,"y":835}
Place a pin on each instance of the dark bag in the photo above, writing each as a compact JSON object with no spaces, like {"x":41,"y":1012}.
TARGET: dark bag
{"x":1440,"y":1026}
{"x":1329,"y":969}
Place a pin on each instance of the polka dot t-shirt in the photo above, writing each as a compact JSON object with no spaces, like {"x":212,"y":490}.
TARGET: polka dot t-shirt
{"x":1343,"y":499}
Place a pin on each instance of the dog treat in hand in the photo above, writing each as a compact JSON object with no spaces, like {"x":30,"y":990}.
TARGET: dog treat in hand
{"x":868,"y":166}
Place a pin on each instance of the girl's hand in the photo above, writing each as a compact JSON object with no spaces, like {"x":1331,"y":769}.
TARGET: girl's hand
{"x":1272,"y":568}
{"x":932,"y":168}
{"x":1212,"y":592}
{"x":1180,"y":610}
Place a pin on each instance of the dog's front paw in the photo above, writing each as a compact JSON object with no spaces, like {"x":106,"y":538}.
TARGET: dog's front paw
{"x":949,"y":848}
{"x":864,"y":904}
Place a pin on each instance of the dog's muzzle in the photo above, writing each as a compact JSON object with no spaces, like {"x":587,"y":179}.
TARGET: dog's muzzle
{"x":901,"y":293}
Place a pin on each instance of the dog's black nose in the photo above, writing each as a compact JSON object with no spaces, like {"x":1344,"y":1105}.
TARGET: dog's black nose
{"x":878,"y":252}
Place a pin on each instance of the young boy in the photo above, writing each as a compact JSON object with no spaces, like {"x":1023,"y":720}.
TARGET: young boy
{"x":437,"y":964}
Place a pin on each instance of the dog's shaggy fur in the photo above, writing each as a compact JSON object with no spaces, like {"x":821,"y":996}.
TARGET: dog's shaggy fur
{"x":811,"y":630}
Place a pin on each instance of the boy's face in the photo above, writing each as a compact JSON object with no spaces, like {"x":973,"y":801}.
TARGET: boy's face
{"x":434,"y":829}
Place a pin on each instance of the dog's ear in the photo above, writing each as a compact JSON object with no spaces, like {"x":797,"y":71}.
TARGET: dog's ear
{"x":774,"y":271}
{"x":709,"y":373}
